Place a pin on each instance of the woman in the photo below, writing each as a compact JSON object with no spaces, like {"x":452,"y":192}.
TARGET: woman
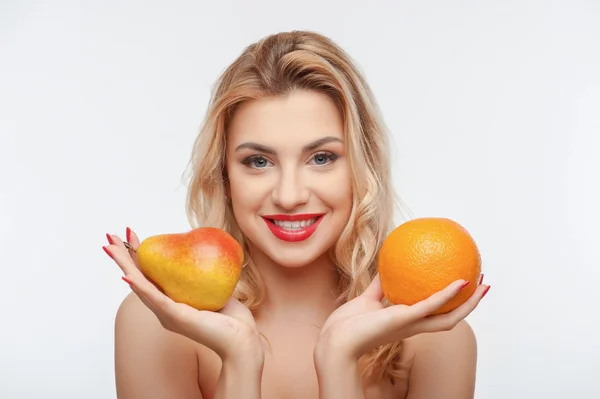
{"x":292,"y":161}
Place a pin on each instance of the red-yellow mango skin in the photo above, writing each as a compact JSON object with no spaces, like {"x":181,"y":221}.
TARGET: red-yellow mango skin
{"x":199,"y":268}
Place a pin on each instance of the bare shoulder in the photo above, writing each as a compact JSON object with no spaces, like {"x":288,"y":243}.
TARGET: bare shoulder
{"x":461,"y":336}
{"x":444,"y":363}
{"x":150,"y":361}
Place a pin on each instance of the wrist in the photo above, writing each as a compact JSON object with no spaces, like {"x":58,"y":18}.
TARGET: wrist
{"x":247,"y":365}
{"x":251,"y":357}
{"x":248,"y":360}
{"x":330,"y":349}
{"x":241,"y":376}
{"x":331,"y":364}
{"x":337,"y":374}
{"x":246,"y":350}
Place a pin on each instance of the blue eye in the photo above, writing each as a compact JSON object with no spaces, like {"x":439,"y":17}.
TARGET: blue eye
{"x":324,"y":158}
{"x":260,"y":162}
{"x":256,"y":161}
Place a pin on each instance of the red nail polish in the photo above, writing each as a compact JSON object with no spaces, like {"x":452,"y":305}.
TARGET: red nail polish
{"x":480,"y":279}
{"x":462,"y":287}
{"x":128,"y":234}
{"x":108,"y":253}
{"x":109,"y":238}
{"x":127,"y":280}
{"x":486,"y":291}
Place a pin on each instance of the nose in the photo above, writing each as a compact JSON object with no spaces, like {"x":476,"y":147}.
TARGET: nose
{"x":290,"y":190}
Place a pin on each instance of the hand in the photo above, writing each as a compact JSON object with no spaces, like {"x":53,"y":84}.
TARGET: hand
{"x":364,"y":323}
{"x":229,"y":332}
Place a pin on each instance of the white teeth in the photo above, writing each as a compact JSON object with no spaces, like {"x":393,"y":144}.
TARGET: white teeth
{"x":295,"y":225}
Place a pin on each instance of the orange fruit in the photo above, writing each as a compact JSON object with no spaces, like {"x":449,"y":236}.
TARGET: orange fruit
{"x":423,"y":256}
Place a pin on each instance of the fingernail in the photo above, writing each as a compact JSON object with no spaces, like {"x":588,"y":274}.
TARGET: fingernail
{"x":480,"y":279}
{"x":107,"y":252}
{"x":127,"y":281}
{"x":128,"y":234}
{"x":109,"y":238}
{"x":462,"y":287}
{"x":486,"y":291}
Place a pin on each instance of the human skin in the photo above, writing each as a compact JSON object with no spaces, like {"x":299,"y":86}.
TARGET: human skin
{"x":313,"y":345}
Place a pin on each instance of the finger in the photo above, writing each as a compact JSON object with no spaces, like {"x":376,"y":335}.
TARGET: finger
{"x":117,"y":242}
{"x":125,"y":255}
{"x":480,"y":279}
{"x":120,"y":255}
{"x":374,"y":291}
{"x":140,"y":295}
{"x":114,"y":240}
{"x":448,"y":321}
{"x":152,"y":297}
{"x":434,"y":302}
{"x":209,"y":328}
{"x":398,"y":317}
{"x":134,"y":241}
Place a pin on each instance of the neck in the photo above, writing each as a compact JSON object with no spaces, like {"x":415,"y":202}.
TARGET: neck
{"x":304,"y":294}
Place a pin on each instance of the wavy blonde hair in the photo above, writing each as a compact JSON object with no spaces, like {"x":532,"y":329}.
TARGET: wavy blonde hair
{"x":274,"y":66}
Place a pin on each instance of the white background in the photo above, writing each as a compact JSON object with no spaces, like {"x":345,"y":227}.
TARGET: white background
{"x":494,"y":109}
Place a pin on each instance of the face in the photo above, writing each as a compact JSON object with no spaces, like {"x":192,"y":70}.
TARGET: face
{"x":289,"y":178}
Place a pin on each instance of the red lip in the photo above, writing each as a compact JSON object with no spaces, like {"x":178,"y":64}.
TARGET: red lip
{"x":291,"y":218}
{"x":292,"y":235}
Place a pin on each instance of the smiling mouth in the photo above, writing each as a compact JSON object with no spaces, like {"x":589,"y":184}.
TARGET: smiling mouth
{"x":293,"y":225}
{"x":293,"y":228}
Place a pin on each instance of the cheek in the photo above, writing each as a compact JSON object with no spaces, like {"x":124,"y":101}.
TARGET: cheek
{"x":247,"y":193}
{"x":236,"y":184}
{"x":336,"y":191}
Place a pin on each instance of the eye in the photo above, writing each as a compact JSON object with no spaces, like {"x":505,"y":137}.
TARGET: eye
{"x":324,"y":158}
{"x":256,"y":161}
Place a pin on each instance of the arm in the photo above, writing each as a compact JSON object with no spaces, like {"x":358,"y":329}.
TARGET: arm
{"x":241,"y":379}
{"x":363,"y":323}
{"x":155,"y":340}
{"x":337,"y":375}
{"x":151,"y":362}
{"x":445,"y":364}
{"x":444,"y":367}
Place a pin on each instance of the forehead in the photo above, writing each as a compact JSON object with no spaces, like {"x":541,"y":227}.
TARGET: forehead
{"x":300,"y":117}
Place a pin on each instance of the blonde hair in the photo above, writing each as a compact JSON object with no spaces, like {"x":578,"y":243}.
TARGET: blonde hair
{"x":274,"y":66}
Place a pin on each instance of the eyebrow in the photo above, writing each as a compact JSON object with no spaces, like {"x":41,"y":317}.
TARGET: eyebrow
{"x":308,"y":147}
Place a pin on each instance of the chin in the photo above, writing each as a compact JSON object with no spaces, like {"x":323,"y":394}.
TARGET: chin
{"x":295,"y":258}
